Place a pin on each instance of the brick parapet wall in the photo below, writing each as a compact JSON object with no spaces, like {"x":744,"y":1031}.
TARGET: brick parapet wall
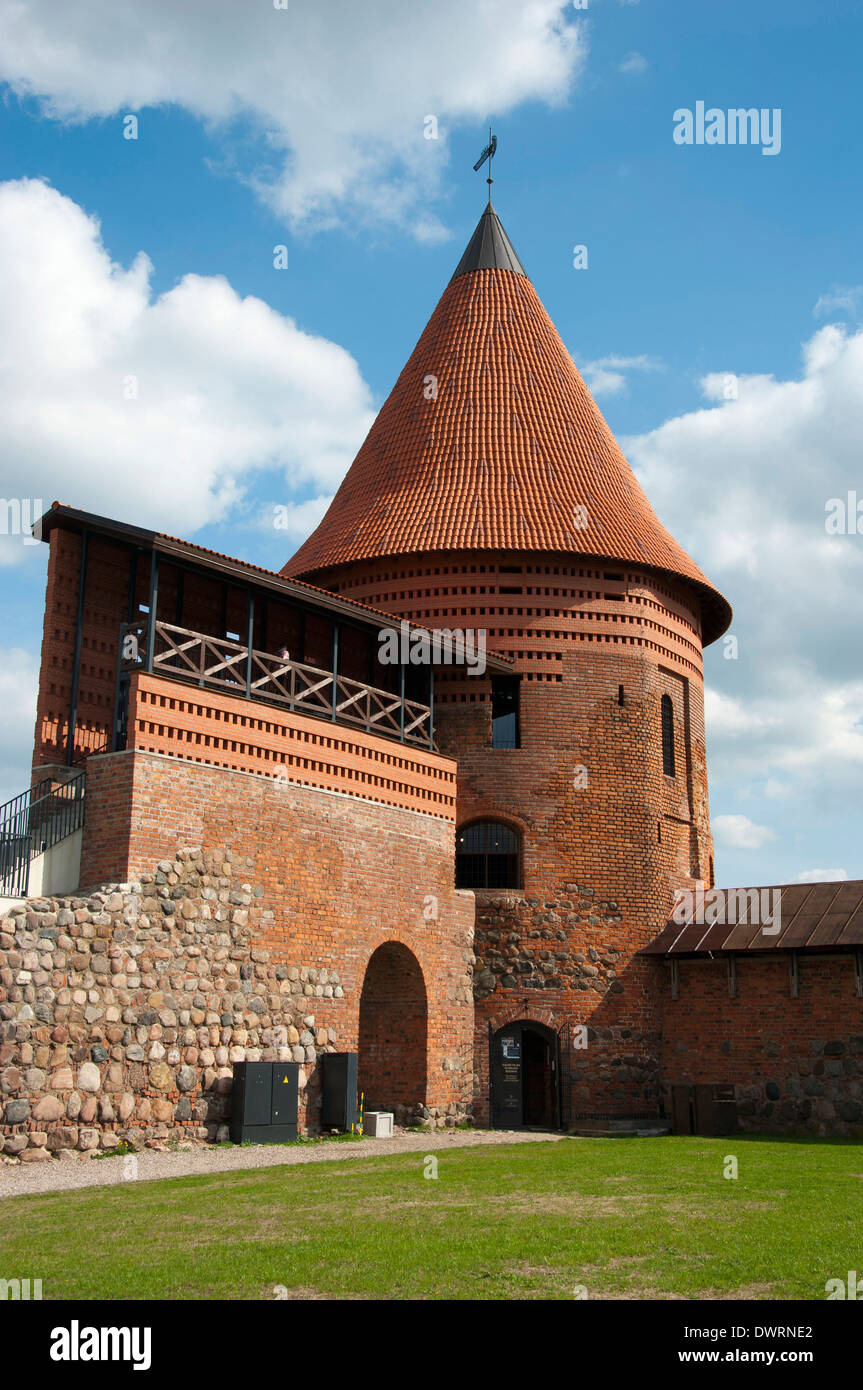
{"x":203,"y":726}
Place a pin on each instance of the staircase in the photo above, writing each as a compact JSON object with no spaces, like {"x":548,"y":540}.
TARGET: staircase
{"x":33,"y":823}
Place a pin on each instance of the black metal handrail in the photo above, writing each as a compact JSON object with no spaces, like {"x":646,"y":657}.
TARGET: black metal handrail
{"x":33,"y":822}
{"x":103,"y":747}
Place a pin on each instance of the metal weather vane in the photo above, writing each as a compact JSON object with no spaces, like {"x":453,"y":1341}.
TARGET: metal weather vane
{"x":487,"y":154}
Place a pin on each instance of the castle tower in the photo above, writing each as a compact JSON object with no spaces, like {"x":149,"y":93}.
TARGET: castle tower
{"x":490,"y":495}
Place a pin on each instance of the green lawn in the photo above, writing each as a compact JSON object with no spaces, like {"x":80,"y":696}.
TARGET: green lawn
{"x":634,"y":1218}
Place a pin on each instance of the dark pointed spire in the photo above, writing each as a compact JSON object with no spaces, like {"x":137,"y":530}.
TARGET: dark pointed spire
{"x":489,"y":248}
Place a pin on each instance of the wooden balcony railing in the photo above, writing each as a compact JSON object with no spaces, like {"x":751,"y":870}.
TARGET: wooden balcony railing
{"x":216,"y":663}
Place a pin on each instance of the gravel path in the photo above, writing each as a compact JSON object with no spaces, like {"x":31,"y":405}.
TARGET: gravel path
{"x":63,"y":1175}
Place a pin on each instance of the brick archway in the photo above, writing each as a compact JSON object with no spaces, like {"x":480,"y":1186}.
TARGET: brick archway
{"x":526,"y":1013}
{"x":524,"y":1069}
{"x":393,"y":1030}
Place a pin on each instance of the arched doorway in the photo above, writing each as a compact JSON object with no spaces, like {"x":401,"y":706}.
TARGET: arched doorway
{"x":393,"y":1033}
{"x":524,"y":1068}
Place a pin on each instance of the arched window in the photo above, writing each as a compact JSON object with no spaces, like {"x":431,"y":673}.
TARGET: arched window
{"x":667,"y":736}
{"x":487,"y":856}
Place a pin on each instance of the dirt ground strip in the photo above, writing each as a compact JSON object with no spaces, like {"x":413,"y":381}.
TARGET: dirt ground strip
{"x":66,"y":1175}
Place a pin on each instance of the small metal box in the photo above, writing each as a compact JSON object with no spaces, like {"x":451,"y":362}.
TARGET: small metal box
{"x":378,"y":1124}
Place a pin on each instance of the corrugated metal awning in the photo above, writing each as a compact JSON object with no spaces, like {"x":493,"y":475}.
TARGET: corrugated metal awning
{"x":810,"y":917}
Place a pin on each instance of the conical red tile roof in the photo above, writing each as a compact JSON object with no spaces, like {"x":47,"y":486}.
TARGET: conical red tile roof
{"x":490,"y":440}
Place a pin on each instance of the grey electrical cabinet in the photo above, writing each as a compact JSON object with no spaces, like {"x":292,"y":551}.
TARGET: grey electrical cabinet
{"x":339,"y":1091}
{"x":265,"y":1102}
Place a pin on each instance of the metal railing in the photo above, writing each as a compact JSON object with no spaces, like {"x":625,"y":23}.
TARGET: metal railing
{"x":103,"y":747}
{"x":220,"y":664}
{"x":34,"y":822}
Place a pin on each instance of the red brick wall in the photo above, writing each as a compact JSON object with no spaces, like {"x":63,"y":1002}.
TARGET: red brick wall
{"x":332,"y":878}
{"x":795,"y":1063}
{"x":600,"y":862}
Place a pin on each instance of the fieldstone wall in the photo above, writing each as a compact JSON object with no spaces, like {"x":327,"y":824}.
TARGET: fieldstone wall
{"x":122,"y":1012}
{"x":822,"y":1095}
{"x":527,"y":943}
{"x":565,"y":961}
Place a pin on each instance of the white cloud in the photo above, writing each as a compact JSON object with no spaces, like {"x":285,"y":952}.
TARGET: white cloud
{"x":843,"y":299}
{"x":776,"y":790}
{"x":19,"y":672}
{"x":634,"y":62}
{"x":739,"y":832}
{"x":606,"y":376}
{"x":726,"y":715}
{"x":822,"y":876}
{"x":225,"y":386}
{"x":744,"y":485}
{"x":336,"y":95}
{"x":296,"y":520}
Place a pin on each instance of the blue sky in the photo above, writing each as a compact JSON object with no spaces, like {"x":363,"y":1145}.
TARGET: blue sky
{"x":706,"y":264}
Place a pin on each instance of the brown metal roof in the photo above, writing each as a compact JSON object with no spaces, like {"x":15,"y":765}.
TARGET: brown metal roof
{"x":812,"y":917}
{"x":237,"y":571}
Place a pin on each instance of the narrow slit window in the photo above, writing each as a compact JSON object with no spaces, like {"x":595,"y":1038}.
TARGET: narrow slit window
{"x":667,"y":736}
{"x":505,"y":732}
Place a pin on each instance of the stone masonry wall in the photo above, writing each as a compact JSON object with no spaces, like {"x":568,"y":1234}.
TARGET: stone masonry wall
{"x":565,"y":960}
{"x":124,"y":1007}
{"x":123,"y":1011}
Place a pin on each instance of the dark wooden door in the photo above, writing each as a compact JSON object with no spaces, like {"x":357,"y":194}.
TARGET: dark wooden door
{"x":681,"y":1110}
{"x":538,"y":1079}
{"x":704,"y":1109}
